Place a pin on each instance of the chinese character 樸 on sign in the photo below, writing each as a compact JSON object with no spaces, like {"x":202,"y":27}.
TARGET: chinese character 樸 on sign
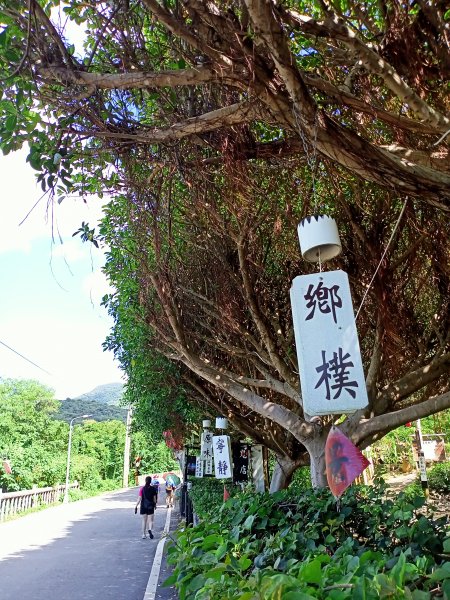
{"x":331,"y":372}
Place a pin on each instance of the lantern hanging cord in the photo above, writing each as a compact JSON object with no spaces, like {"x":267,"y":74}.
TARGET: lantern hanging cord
{"x":311,"y":156}
{"x":382,"y":257}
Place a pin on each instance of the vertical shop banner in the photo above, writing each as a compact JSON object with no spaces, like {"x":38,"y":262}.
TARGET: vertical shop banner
{"x":199,"y":466}
{"x":331,"y":372}
{"x":240,"y":453}
{"x":208,"y":470}
{"x":222,"y":456}
{"x":206,"y":445}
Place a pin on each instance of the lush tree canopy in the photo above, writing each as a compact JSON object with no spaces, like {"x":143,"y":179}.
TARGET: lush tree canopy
{"x":218,"y":125}
{"x":29,"y":437}
{"x":362,"y":85}
{"x":35,"y":443}
{"x":211,"y":258}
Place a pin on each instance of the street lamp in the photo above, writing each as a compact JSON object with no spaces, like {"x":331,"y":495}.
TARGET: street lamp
{"x":69,"y":446}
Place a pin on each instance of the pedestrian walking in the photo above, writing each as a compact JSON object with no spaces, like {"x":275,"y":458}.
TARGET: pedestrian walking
{"x":147,"y":500}
{"x":170,"y":493}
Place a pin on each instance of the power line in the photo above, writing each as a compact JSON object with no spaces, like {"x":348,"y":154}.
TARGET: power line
{"x":24,"y":357}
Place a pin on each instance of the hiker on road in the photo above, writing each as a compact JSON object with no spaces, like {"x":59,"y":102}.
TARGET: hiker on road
{"x":147,"y":501}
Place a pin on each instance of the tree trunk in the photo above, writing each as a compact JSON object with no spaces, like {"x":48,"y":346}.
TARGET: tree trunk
{"x":316,"y":449}
{"x":282,"y":474}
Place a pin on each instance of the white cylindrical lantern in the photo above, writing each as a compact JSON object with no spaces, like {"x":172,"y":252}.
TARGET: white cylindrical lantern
{"x":221,"y":423}
{"x":319,"y":238}
{"x":206,"y":423}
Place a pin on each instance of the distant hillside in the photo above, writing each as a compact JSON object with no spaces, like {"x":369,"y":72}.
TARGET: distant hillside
{"x":108,"y":393}
{"x":100,"y":412}
{"x":102,"y":403}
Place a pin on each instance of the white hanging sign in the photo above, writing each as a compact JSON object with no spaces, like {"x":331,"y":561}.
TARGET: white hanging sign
{"x":222,"y":453}
{"x":331,"y":372}
{"x":208,"y":466}
{"x":206,"y":450}
{"x":198,"y":466}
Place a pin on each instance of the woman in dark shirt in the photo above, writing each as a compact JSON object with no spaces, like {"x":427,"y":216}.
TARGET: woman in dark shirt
{"x":147,"y":500}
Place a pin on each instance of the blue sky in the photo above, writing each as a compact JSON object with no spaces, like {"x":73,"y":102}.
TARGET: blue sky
{"x":50,"y":292}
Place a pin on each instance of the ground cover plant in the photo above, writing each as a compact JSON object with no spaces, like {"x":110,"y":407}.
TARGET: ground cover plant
{"x":296,"y":546}
{"x":439,"y":478}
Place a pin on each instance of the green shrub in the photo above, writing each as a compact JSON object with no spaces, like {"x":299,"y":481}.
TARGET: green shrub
{"x":299,"y":546}
{"x":207,"y":494}
{"x":301,"y":479}
{"x":439,"y":478}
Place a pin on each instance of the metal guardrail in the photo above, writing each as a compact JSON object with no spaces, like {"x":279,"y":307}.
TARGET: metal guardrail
{"x":13,"y":503}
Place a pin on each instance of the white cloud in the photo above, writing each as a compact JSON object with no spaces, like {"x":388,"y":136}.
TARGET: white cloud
{"x":96,"y":285}
{"x":71,"y":251}
{"x":20,"y":194}
{"x":70,"y":349}
{"x":45,"y":308}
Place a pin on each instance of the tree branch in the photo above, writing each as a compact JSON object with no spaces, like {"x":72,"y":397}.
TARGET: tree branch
{"x":181,"y":30}
{"x":373,"y":62}
{"x":142,"y":79}
{"x":388,"y":422}
{"x":410,"y":383}
{"x":234,"y":114}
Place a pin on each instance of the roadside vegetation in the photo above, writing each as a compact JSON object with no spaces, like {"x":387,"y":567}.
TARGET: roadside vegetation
{"x":299,"y":544}
{"x":35,"y":443}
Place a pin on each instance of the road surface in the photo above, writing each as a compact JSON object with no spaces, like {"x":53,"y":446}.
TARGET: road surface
{"x":90,"y":549}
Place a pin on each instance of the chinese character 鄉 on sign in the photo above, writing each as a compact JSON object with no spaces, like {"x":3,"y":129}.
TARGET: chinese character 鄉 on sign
{"x":222,"y":453}
{"x":331,"y":372}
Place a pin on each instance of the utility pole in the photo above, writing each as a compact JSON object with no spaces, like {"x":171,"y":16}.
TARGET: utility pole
{"x":126,"y":454}
{"x":421,"y":461}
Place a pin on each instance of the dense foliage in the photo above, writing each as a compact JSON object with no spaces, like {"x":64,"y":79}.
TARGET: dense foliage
{"x":215,"y":127}
{"x":35,"y":443}
{"x":207,"y":494}
{"x":155,"y":456}
{"x":439,"y":478}
{"x":300,"y":546}
{"x":72,"y":407}
{"x":395,"y":449}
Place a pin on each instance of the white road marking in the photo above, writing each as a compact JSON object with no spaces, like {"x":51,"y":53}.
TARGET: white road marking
{"x":150,"y":592}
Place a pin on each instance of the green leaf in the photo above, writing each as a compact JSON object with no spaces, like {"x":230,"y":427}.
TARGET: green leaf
{"x":244,"y":563}
{"x":217,"y":572}
{"x":196,"y":583}
{"x":420,"y":595}
{"x":446,"y":589}
{"x":10,"y":123}
{"x":211,"y":541}
{"x":249,"y":522}
{"x":398,"y":572}
{"x":442,"y":572}
{"x":311,"y":572}
{"x":170,"y":580}
{"x":221,"y":551}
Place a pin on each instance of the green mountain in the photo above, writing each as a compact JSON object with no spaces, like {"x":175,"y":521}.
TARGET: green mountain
{"x":101,"y":402}
{"x":108,"y":393}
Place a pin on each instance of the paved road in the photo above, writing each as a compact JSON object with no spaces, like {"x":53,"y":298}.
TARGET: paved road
{"x":79,"y":551}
